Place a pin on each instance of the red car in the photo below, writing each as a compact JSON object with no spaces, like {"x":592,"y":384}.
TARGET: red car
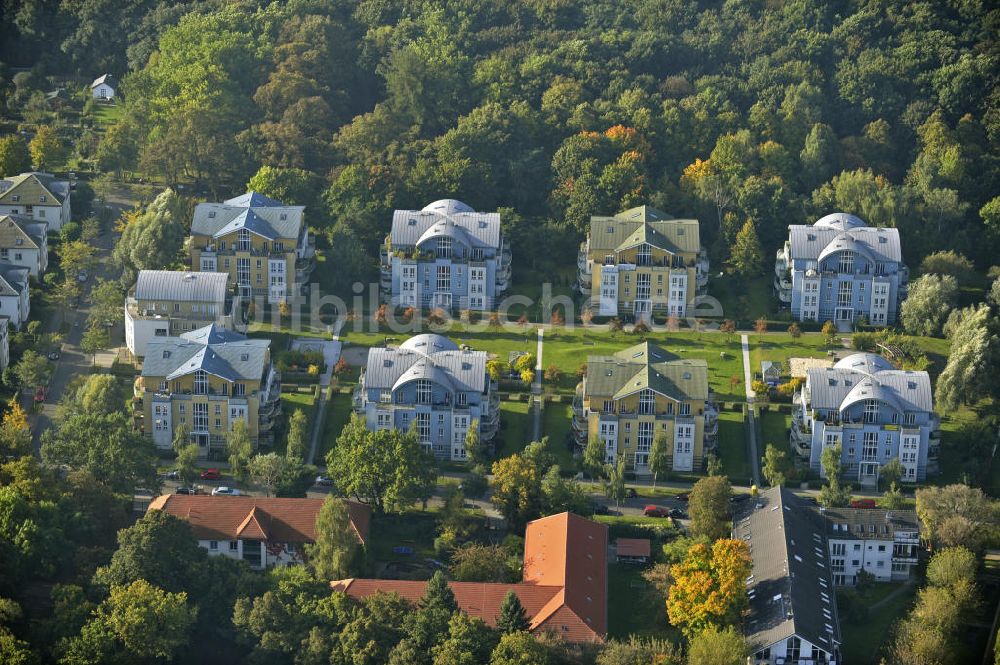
{"x":39,"y":395}
{"x":863,"y":503}
{"x":211,"y":474}
{"x":655,"y":511}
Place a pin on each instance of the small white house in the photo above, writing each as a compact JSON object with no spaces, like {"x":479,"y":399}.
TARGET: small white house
{"x":14,"y":303}
{"x":24,"y":243}
{"x":103,"y":88}
{"x":38,"y":196}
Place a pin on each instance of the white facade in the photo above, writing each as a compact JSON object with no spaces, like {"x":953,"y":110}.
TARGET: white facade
{"x":103,"y":91}
{"x":16,"y":307}
{"x":684,"y":446}
{"x":54,"y":216}
{"x":270,"y":554}
{"x":4,"y":345}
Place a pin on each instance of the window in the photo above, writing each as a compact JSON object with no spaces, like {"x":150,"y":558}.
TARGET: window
{"x":647,"y":402}
{"x":424,"y":426}
{"x":462,"y":398}
{"x":213,"y":545}
{"x":234,"y":545}
{"x":644,"y":442}
{"x":424,"y":391}
{"x":644,"y":257}
{"x":444,"y":278}
{"x":200,"y":382}
{"x":443,"y":247}
{"x":871,"y":411}
{"x":200,"y":412}
{"x":685,"y":409}
{"x":243,"y":241}
{"x":385,"y":396}
{"x":239,"y":389}
{"x":846,"y":262}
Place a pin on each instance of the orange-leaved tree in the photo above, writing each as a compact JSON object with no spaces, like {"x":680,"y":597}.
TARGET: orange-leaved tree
{"x":709,"y":586}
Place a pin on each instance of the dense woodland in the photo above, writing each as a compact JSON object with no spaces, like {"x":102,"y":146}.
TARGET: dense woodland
{"x":776,"y":112}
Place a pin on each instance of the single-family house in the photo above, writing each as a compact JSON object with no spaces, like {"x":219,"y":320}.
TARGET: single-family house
{"x":264,"y":532}
{"x":38,"y":196}
{"x":24,"y":242}
{"x":564,"y":588}
{"x":14,"y":298}
{"x":103,"y":87}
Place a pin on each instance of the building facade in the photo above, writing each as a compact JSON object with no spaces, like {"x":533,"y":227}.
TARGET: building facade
{"x":429,"y":382}
{"x":25,"y":243}
{"x":15,"y":302}
{"x":792,"y":618}
{"x":626,"y":399}
{"x":262,"y":531}
{"x":641,"y":262}
{"x":103,"y":88}
{"x":840,"y":269}
{"x":263,"y":244}
{"x":38,"y":196}
{"x":169,"y":303}
{"x":206,"y":380}
{"x":883,"y":543}
{"x":874,"y":411}
{"x":445,"y":256}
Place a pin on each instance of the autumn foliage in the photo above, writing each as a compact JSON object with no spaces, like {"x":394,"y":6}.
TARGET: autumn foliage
{"x":709,"y":587}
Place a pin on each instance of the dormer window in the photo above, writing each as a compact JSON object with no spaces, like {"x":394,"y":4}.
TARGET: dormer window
{"x":283,"y":216}
{"x":42,"y":199}
{"x":211,"y":214}
{"x":15,"y":198}
{"x":244,"y":357}
{"x":19,"y":241}
{"x":166,"y":354}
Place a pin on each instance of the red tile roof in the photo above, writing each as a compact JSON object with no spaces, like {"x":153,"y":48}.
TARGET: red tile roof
{"x":632,"y":547}
{"x":564,"y":587}
{"x":255,"y":518}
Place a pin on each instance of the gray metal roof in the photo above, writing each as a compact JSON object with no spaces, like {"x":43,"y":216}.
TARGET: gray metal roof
{"x":35,"y":231}
{"x":103,"y":78}
{"x":868,"y":523}
{"x":429,"y":343}
{"x":182,"y":286}
{"x":13,"y":279}
{"x":840,"y":220}
{"x":225,"y":354}
{"x":867,"y":376}
{"x":811,"y":243}
{"x":428,"y":359}
{"x":257,"y":213}
{"x":481,"y":228}
{"x":791,"y":589}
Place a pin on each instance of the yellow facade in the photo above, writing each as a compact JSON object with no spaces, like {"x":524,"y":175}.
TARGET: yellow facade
{"x":223,"y":250}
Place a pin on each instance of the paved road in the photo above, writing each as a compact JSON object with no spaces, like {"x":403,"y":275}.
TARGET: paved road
{"x":751,"y":424}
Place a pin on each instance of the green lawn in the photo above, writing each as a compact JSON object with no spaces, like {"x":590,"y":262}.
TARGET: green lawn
{"x":634,"y":607}
{"x":289,"y":403}
{"x":556,"y":423}
{"x":733,"y":447}
{"x":774,"y":429}
{"x":782,"y":346}
{"x":864,"y":639}
{"x":412,"y":528}
{"x":515,"y":428}
{"x":107,"y":114}
{"x":338,"y":413}
{"x":744,"y":300}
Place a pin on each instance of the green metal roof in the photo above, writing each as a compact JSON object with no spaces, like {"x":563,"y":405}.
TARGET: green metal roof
{"x":646,"y":365}
{"x":644,"y":225}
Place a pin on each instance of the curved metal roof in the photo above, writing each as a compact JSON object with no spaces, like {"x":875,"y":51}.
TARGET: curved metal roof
{"x":869,"y":363}
{"x":424,"y":369}
{"x":840,"y":220}
{"x":446,"y":228}
{"x":428,"y":343}
{"x":447,"y":207}
{"x":870,"y":388}
{"x":843,"y":242}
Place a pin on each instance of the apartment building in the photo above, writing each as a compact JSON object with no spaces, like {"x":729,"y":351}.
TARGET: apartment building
{"x":262,"y":531}
{"x":428,"y":380}
{"x":883,"y":543}
{"x":25,"y":243}
{"x":874,"y":411}
{"x":840,"y":269}
{"x":641,"y":262}
{"x":15,"y":301}
{"x":792,"y":618}
{"x":446,"y":256}
{"x":168,"y":303}
{"x":38,"y":196}
{"x":206,"y":380}
{"x":263,"y":244}
{"x":627,"y":398}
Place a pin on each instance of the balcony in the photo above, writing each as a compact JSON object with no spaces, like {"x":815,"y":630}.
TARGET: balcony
{"x":782,"y":290}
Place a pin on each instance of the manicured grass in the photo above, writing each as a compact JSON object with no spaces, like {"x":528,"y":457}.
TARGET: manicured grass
{"x":412,"y":528}
{"x":782,"y":346}
{"x":556,"y":423}
{"x":634,"y":607}
{"x":338,"y":413}
{"x":733,"y":447}
{"x":107,"y":114}
{"x":515,"y":428}
{"x":864,"y":640}
{"x":774,"y":429}
{"x":744,"y":300}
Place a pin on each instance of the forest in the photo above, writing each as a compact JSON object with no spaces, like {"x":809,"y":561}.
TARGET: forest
{"x":550,"y":110}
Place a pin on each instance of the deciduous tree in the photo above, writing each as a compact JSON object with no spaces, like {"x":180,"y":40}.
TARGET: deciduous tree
{"x":746,"y":254}
{"x":709,"y":586}
{"x":929,"y":300}
{"x":659,"y":456}
{"x":336,"y":553}
{"x":240,"y":449}
{"x":517,"y":490}
{"x":714,"y":646}
{"x":708,"y":506}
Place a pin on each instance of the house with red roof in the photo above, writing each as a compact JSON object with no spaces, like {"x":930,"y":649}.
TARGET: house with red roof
{"x":262,"y":531}
{"x":564,"y":588}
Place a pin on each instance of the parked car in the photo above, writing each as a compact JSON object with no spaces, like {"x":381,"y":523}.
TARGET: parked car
{"x":225,"y":491}
{"x":601,"y":509}
{"x":187,"y":490}
{"x":82,"y":276}
{"x":211,"y":474}
{"x":324,"y":481}
{"x":863,"y":503}
{"x":171,"y":475}
{"x":677,"y":513}
{"x":53,"y":355}
{"x":655,"y":511}
{"x":682,"y":497}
